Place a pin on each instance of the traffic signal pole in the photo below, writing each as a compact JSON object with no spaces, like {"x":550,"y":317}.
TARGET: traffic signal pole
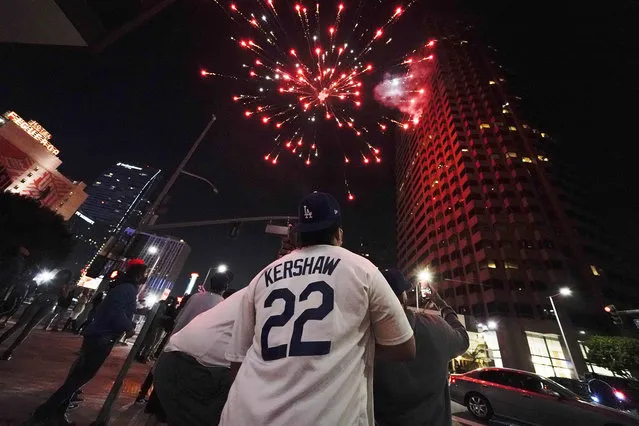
{"x":149,"y":218}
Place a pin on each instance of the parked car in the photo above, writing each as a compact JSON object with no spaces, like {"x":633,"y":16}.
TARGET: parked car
{"x":529,"y":398}
{"x":579,"y":387}
{"x":626,"y":391}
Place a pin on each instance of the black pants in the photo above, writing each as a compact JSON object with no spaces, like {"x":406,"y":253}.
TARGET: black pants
{"x":31,"y":317}
{"x":94,"y":352}
{"x":191,"y":394}
{"x":146,"y":385}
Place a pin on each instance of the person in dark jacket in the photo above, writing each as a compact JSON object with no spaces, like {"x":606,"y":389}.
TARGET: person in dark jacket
{"x":416,"y":392}
{"x":41,"y":306}
{"x":113,"y":317}
{"x":95,"y":302}
{"x":65,"y":299}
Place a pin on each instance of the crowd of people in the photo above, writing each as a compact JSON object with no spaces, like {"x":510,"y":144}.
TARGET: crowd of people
{"x":320,"y":336}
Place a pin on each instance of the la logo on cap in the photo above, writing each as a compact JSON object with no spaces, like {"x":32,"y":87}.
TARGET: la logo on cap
{"x":307,"y":213}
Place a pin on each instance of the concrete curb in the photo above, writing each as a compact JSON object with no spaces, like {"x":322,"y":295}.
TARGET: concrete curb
{"x":466,"y":422}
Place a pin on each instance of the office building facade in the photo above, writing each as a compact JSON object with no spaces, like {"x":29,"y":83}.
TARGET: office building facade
{"x":120,"y":196}
{"x":479,"y":203}
{"x":117,"y":200}
{"x":165,"y":257}
{"x":29,"y":163}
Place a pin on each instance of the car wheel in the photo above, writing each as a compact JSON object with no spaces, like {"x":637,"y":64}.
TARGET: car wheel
{"x":479,"y":406}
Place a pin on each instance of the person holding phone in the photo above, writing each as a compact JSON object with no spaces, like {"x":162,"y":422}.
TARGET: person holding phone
{"x":416,"y":392}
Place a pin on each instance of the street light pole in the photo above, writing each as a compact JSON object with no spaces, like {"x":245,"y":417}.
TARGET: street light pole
{"x":563,"y":335}
{"x":149,"y":217}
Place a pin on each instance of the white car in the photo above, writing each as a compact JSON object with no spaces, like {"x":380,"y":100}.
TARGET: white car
{"x":529,"y":398}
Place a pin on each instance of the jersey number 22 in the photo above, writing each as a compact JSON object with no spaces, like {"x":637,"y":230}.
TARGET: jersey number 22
{"x":297,"y":347}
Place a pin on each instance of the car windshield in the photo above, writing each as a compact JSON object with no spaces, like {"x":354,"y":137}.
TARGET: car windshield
{"x":556,"y":387}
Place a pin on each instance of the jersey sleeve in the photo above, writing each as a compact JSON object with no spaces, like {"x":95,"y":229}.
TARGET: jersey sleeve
{"x":243,"y":327}
{"x":389,"y":321}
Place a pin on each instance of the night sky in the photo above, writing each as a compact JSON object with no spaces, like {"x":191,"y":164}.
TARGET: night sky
{"x":143,"y":101}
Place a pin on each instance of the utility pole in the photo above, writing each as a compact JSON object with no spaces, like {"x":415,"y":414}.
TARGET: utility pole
{"x":151,"y":217}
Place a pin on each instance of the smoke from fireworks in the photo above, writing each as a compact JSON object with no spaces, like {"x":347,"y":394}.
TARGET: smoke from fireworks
{"x":406,"y":92}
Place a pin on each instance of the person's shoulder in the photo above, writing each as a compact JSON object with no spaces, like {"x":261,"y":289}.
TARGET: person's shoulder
{"x":429,"y":317}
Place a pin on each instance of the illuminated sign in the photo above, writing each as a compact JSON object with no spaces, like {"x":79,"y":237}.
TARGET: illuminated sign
{"x":128,"y":166}
{"x":33,"y":129}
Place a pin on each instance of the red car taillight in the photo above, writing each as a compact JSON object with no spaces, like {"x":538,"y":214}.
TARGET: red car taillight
{"x":451,"y":379}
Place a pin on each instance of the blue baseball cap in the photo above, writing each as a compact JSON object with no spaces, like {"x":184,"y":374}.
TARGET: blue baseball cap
{"x":396,"y":279}
{"x":318,"y":211}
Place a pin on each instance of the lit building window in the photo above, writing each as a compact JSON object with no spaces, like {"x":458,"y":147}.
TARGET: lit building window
{"x":543,"y":135}
{"x":464,"y":149}
{"x":526,"y":160}
{"x":542,"y":158}
{"x":505,"y":111}
{"x":511,"y":154}
{"x":547,"y":355}
{"x":525,"y":126}
{"x":485,"y":126}
{"x":512,"y":128}
{"x":510,"y":265}
{"x":491,"y":264}
{"x":491,"y":82}
{"x":594,"y":270}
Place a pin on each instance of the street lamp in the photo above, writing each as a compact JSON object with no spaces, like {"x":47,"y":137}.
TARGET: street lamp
{"x":423,"y":276}
{"x":222,"y":268}
{"x":44,"y":277}
{"x":563,"y":291}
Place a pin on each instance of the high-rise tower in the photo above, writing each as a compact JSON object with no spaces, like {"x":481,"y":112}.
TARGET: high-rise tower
{"x":484,"y":202}
{"x":118,"y":198}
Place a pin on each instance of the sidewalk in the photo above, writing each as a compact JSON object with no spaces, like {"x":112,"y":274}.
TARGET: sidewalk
{"x":41,"y":364}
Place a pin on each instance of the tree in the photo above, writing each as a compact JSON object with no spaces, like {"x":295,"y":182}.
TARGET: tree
{"x":24,"y":222}
{"x":618,"y":354}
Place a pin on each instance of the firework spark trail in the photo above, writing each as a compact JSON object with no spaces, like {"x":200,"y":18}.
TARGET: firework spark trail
{"x":294,"y":88}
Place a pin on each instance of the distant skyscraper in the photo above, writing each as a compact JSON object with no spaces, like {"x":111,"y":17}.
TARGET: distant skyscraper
{"x":484,"y":201}
{"x":119,"y":197}
{"x":117,"y":200}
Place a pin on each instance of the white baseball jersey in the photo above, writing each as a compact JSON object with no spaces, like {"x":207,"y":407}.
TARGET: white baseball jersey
{"x":305,"y":335}
{"x":206,"y":337}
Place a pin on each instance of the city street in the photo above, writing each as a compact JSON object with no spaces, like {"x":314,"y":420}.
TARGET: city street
{"x":461,"y":416}
{"x":40,"y":366}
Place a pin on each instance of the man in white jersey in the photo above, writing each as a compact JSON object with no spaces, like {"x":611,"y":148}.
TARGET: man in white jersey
{"x":192,"y":375}
{"x":308,"y":329}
